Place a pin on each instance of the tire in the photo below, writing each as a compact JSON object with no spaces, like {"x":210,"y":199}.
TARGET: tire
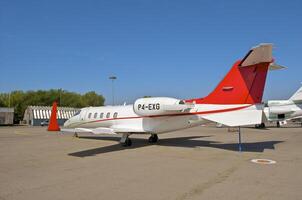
{"x":262,"y":125}
{"x":127,"y":143}
{"x":153,"y":138}
{"x":150,"y":140}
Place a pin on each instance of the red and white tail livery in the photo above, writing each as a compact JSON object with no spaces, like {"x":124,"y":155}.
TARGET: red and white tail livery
{"x":236,"y":101}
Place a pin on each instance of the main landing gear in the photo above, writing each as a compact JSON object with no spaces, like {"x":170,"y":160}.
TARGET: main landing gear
{"x":262,"y":125}
{"x":125,"y":140}
{"x":153,"y":138}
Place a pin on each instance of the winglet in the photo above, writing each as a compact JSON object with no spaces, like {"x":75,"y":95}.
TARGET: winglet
{"x":53,"y":123}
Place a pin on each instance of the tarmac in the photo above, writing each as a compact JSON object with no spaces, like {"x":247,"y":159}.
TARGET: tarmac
{"x":197,"y":163}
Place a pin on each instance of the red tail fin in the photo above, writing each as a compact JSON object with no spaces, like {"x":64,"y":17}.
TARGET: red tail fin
{"x":53,"y":123}
{"x":244,"y":83}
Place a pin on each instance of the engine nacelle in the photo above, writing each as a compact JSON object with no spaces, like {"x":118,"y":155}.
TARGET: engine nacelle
{"x":158,"y":106}
{"x":280,"y":110}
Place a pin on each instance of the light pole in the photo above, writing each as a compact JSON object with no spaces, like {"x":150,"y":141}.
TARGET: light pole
{"x":112,"y":78}
{"x":9,"y":99}
{"x":60,"y":101}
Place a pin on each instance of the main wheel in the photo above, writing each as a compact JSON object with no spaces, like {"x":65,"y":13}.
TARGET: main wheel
{"x":127,"y":143}
{"x":153,"y":138}
{"x":262,"y":125}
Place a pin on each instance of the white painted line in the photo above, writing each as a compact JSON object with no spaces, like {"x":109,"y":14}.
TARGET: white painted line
{"x":263,"y":161}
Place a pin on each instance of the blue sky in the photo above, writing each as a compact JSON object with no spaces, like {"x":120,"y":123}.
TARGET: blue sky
{"x":155,"y":47}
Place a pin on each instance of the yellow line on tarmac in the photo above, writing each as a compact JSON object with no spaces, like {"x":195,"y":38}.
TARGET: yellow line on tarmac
{"x":22,"y":133}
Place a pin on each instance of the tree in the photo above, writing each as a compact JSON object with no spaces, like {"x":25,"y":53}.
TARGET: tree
{"x":20,"y":100}
{"x":92,"y":99}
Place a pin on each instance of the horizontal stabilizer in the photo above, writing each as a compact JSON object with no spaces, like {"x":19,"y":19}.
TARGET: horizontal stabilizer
{"x":274,"y":66}
{"x":258,"y":54}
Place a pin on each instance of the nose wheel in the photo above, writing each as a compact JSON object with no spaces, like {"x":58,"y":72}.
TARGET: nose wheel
{"x":153,"y":138}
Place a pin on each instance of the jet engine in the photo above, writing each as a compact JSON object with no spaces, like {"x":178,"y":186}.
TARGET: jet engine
{"x":160,"y":106}
{"x":280,"y":110}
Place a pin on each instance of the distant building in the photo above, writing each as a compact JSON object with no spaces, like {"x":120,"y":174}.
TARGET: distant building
{"x":6,"y":116}
{"x":35,"y":115}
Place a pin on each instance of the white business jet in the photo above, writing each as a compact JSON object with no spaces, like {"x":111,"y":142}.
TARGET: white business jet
{"x":281,"y":111}
{"x":236,"y":101}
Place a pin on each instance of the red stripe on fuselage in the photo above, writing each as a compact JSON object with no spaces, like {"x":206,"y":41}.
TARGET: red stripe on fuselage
{"x":170,"y":115}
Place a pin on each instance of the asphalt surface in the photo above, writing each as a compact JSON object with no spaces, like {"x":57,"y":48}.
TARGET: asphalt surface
{"x":198,"y":163}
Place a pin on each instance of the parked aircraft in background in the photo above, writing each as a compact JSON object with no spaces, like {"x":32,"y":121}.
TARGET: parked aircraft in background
{"x":236,"y":101}
{"x":280,"y":111}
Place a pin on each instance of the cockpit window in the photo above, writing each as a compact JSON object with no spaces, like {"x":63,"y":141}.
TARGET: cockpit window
{"x":77,"y":113}
{"x":181,"y":102}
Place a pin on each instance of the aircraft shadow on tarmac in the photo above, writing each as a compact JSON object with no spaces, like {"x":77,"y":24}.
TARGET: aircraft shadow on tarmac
{"x":185,"y":142}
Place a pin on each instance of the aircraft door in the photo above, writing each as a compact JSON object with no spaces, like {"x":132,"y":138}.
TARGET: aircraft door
{"x":83,"y":114}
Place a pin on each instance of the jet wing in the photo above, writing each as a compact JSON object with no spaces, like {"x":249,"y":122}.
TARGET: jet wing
{"x":126,"y":129}
{"x":101,"y":130}
{"x":95,"y":131}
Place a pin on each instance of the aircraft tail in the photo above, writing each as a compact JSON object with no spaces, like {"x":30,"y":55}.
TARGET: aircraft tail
{"x":297,"y":97}
{"x":245,"y":82}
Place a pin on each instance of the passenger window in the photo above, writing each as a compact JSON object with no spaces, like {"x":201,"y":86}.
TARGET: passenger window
{"x":115,"y":115}
{"x":89,"y":115}
{"x":101,"y":115}
{"x":95,"y":115}
{"x":108,"y":115}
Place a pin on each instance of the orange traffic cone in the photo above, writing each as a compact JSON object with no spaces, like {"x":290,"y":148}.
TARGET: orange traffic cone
{"x":53,"y":123}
